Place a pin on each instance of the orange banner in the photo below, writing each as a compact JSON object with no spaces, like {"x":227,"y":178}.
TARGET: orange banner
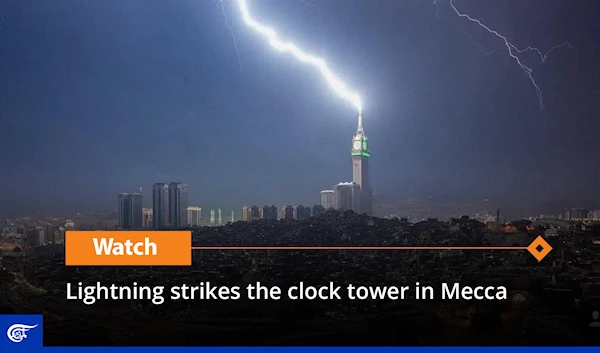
{"x":128,"y":248}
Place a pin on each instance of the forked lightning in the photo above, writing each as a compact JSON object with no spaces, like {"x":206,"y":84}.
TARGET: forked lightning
{"x":513,"y":51}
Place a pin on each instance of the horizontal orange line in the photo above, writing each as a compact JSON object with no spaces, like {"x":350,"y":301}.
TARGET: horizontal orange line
{"x":359,"y":248}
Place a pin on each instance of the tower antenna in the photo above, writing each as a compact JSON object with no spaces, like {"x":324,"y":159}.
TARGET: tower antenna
{"x":360,"y":130}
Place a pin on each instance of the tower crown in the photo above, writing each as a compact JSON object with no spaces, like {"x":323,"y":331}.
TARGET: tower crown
{"x":359,"y":141}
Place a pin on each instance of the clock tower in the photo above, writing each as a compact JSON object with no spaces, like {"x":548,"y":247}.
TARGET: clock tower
{"x":360,"y":168}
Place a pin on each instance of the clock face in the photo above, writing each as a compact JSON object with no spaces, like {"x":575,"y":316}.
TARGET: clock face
{"x":356,"y":145}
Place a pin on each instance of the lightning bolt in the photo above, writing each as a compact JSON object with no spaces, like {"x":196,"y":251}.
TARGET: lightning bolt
{"x":437,"y":14}
{"x":235,"y":46}
{"x":335,"y":83}
{"x":513,"y":51}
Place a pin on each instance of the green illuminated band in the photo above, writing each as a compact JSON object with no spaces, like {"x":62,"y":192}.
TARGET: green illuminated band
{"x":361,"y":153}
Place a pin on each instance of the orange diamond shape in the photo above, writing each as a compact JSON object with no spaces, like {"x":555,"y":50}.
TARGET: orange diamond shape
{"x":539,"y":254}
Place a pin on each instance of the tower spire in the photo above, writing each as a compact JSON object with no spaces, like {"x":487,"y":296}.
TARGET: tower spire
{"x":359,"y":130}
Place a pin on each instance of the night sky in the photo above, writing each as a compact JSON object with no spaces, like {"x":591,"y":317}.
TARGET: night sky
{"x":102,"y":97}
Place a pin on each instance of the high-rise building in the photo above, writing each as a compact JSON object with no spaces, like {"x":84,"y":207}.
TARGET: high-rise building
{"x":254,"y":213}
{"x":160,"y":205}
{"x":50,"y":233}
{"x":147,"y":215}
{"x":245,"y":213}
{"x":36,"y":237}
{"x":301,"y":212}
{"x":287,"y":212}
{"x":347,"y":196}
{"x":178,"y":203}
{"x":194,"y":216}
{"x":250,"y":213}
{"x":220,"y":219}
{"x":318,"y":210}
{"x":130,"y":211}
{"x":327,"y":199}
{"x":360,"y":168}
{"x":268,"y":212}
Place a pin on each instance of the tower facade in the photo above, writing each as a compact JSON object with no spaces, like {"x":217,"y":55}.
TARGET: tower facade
{"x":178,"y":204}
{"x":268,"y":212}
{"x":327,"y":199}
{"x":130,"y":211}
{"x":160,"y":205}
{"x":301,"y":212}
{"x":360,"y":168}
{"x":287,"y":212}
{"x":245,"y":213}
{"x":347,"y":196}
{"x":254,"y":213}
{"x":194,"y":216}
{"x":147,"y":217}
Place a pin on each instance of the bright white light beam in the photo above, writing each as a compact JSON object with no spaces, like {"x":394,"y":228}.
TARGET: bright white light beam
{"x":335,"y":83}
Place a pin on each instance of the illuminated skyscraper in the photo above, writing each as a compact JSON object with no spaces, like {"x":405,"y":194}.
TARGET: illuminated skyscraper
{"x":130,"y":211}
{"x":327,"y":199}
{"x":360,"y":168}
{"x":194,"y":216}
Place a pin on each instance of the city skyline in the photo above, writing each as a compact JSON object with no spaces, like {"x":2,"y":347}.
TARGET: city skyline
{"x":126,"y":104}
{"x":170,"y":201}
